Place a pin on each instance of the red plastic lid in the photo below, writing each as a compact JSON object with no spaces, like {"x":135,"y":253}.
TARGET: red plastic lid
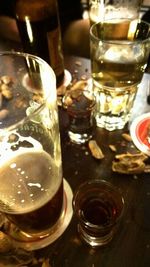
{"x":140,"y":133}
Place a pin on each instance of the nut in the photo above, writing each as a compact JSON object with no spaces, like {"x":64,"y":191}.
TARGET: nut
{"x":79,"y":85}
{"x":68,"y":101}
{"x":113,"y":148}
{"x":3,"y":114}
{"x":61,"y":90}
{"x":95,"y":150}
{"x":4,"y":87}
{"x":6,"y":79}
{"x":5,"y":243}
{"x":21,"y":102}
{"x":37,"y":98}
{"x":7,"y":93}
{"x":127,"y":137}
{"x":129,"y":163}
{"x":13,"y":138}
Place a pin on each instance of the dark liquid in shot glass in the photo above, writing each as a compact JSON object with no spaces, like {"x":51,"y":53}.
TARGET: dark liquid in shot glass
{"x":79,"y":112}
{"x":98,"y":206}
{"x":98,"y":211}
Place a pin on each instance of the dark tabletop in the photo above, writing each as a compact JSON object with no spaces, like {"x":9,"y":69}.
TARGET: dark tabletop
{"x":130,"y":246}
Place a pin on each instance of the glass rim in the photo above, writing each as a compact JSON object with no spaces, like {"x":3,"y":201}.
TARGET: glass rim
{"x":86,"y":90}
{"x":99,"y":182}
{"x":41,"y":105}
{"x":23,"y":54}
{"x":119,"y":42}
{"x":110,"y":187}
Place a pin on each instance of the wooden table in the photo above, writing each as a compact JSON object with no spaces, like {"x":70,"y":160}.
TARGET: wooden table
{"x":130,"y":246}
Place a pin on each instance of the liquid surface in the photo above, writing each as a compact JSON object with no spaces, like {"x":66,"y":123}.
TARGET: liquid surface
{"x":119,"y":59}
{"x":98,"y":212}
{"x":28,"y":181}
{"x":117,"y":74}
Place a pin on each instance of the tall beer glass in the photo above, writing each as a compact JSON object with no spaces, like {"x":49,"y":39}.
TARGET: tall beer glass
{"x":31,"y":184}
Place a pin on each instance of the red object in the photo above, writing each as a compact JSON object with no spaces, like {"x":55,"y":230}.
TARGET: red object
{"x":140,"y":133}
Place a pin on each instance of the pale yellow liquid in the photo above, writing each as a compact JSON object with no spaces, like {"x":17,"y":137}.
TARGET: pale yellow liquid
{"x":118,"y":63}
{"x":112,"y":74}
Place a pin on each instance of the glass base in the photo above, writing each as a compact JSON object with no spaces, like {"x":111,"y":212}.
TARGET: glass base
{"x":28,"y":242}
{"x":111,"y":123}
{"x":79,"y":138}
{"x":95,"y":241}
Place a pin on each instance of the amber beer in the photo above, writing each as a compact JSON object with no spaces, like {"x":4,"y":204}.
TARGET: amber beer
{"x":34,"y":205}
{"x":119,"y":54}
{"x":113,"y":74}
{"x":117,"y":63}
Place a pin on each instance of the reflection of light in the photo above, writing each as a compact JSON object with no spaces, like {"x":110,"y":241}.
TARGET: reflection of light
{"x":97,"y":12}
{"x":13,"y":166}
{"x":34,"y":184}
{"x":29,"y":29}
{"x":132,"y":30}
{"x":101,"y":10}
{"x":112,"y":53}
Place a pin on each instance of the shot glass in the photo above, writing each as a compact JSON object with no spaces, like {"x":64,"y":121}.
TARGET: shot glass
{"x":119,"y":55}
{"x":98,"y":206}
{"x":80,"y":105}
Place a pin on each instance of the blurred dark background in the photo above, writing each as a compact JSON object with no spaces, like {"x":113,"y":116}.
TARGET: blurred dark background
{"x":74,"y":23}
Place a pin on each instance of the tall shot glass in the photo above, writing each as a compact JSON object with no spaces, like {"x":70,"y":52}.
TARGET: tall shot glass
{"x":80,"y":104}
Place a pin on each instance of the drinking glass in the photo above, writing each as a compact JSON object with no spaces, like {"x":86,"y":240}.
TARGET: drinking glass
{"x":119,"y":55}
{"x":98,"y":206}
{"x":103,"y":9}
{"x":32,"y":187}
{"x":80,"y":104}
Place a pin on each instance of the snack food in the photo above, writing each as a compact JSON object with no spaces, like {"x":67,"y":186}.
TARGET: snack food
{"x":129,"y":163}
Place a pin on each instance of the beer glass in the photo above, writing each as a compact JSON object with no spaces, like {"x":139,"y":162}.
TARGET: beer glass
{"x":103,"y":9}
{"x":119,"y":55}
{"x":31,"y":184}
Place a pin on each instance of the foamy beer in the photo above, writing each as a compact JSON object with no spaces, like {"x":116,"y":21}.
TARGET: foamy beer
{"x":100,"y":10}
{"x":31,"y":194}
